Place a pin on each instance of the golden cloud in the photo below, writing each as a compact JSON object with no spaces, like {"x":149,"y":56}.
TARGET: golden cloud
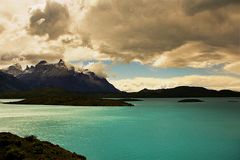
{"x":233,"y":68}
{"x":212,"y":82}
{"x":98,"y":68}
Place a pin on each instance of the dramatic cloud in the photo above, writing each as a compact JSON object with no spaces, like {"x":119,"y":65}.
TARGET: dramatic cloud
{"x":195,"y":55}
{"x":160,"y":33}
{"x":53,"y":21}
{"x":43,"y":30}
{"x":29,"y":50}
{"x":143,"y":30}
{"x":213,"y":82}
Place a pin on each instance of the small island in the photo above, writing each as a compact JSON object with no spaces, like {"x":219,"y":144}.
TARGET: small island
{"x":130,"y":99}
{"x":13,"y":147}
{"x":190,"y":101}
{"x":72,"y":101}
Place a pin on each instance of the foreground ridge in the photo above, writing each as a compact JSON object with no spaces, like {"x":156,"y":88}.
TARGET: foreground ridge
{"x":13,"y":147}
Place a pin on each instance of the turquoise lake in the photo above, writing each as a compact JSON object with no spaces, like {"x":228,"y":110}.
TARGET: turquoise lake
{"x":155,"y":129}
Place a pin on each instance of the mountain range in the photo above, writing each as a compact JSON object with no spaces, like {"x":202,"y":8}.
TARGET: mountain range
{"x":62,"y":79}
{"x":57,"y":75}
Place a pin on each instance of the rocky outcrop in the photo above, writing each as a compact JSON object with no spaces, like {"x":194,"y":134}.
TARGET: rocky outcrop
{"x":13,"y":147}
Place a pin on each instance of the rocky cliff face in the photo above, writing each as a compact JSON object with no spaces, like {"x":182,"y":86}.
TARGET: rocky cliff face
{"x":60,"y":75}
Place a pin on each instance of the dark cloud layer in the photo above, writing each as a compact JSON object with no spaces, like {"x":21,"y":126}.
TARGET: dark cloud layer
{"x":145,"y":29}
{"x":54,"y":20}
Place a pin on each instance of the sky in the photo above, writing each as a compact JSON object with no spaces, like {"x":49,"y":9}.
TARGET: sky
{"x":134,"y":44}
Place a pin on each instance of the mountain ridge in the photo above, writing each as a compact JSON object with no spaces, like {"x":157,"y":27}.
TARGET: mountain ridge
{"x":59,"y":75}
{"x":186,"y":91}
{"x":166,"y":93}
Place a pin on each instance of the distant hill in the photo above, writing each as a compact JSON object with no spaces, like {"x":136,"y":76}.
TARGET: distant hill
{"x":185,"y":91}
{"x":59,"y":75}
{"x":178,"y":92}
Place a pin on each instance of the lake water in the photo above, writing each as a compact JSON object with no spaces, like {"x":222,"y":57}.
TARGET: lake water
{"x":155,"y":129}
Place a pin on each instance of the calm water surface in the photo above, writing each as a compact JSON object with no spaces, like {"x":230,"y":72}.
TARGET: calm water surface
{"x":155,"y":129}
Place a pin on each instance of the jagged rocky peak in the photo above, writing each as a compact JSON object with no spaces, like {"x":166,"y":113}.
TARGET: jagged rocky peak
{"x":45,"y":69}
{"x":16,"y":66}
{"x":14,"y":70}
{"x":64,"y":76}
{"x":27,"y":67}
{"x":61,"y":63}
